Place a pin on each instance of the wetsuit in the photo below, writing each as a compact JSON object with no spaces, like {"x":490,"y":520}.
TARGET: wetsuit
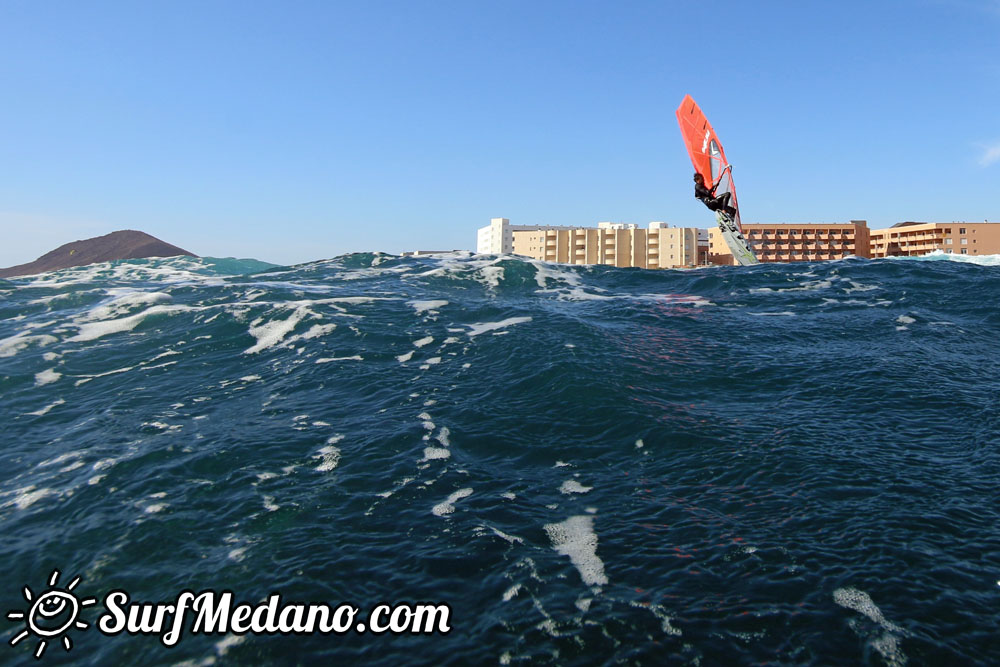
{"x":712,"y":202}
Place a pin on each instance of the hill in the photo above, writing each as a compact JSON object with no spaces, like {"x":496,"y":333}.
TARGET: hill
{"x":124,"y":244}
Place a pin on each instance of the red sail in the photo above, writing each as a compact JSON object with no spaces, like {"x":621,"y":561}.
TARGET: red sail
{"x":705,"y":149}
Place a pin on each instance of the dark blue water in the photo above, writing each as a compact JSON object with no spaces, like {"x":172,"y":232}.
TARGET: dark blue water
{"x":791,"y":464}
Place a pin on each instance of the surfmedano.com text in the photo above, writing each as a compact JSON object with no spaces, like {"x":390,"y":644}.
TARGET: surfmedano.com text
{"x":210,"y":612}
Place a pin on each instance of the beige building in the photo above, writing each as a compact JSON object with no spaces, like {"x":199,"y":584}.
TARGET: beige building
{"x":662,"y":246}
{"x":796,"y":242}
{"x":908,"y":239}
{"x":615,"y":244}
{"x":497,"y":238}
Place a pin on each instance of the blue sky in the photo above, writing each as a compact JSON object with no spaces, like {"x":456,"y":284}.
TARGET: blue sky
{"x":301,"y":130}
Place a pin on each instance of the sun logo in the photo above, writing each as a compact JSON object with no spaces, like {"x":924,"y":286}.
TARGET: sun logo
{"x":51,"y":615}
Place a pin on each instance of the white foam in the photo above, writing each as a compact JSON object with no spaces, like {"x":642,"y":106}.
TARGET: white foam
{"x":94,"y":330}
{"x":483,"y":327}
{"x":513,"y":539}
{"x":861,"y":602}
{"x":423,"y":341}
{"x":784,"y":313}
{"x":11,"y":346}
{"x":424,"y":306}
{"x":575,"y":537}
{"x":316,"y":330}
{"x":492,"y":275}
{"x":44,"y":411}
{"x":580,"y":294}
{"x":573,"y":486}
{"x":155,"y":508}
{"x":124,"y":303}
{"x":327,"y":360}
{"x":161,"y":426}
{"x":511,"y":592}
{"x":47,"y":377}
{"x":940,"y":255}
{"x":269,"y":334}
{"x":330,"y":456}
{"x":888,"y":644}
{"x":88,"y":378}
{"x":448,"y":506}
{"x":168,"y":353}
{"x":403,"y":482}
{"x":403,"y":358}
{"x":435,"y":453}
{"x":546,"y":272}
{"x":442,"y":436}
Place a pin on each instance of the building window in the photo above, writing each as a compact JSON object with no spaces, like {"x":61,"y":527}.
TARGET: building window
{"x":947,"y":241}
{"x":961,"y":230}
{"x":965,"y":251}
{"x":965,"y":241}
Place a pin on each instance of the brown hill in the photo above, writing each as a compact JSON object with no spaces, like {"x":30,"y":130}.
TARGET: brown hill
{"x":125,"y":244}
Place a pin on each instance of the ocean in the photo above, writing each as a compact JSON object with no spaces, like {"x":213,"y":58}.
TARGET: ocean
{"x":783,"y":463}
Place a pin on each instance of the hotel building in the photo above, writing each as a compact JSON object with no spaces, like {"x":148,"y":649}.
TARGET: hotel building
{"x":497,"y":238}
{"x":908,"y":239}
{"x":662,"y":246}
{"x":614,"y":244}
{"x":795,"y":242}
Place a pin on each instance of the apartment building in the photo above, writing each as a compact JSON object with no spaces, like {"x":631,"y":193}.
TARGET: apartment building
{"x":497,"y":238}
{"x":616,"y":244}
{"x":796,"y":242}
{"x":907,"y":239}
{"x":662,"y":246}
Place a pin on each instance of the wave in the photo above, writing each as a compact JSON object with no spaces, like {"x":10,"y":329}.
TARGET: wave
{"x":589,"y":463}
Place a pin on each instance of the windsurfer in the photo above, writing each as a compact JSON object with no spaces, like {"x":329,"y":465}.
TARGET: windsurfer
{"x":707,"y":195}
